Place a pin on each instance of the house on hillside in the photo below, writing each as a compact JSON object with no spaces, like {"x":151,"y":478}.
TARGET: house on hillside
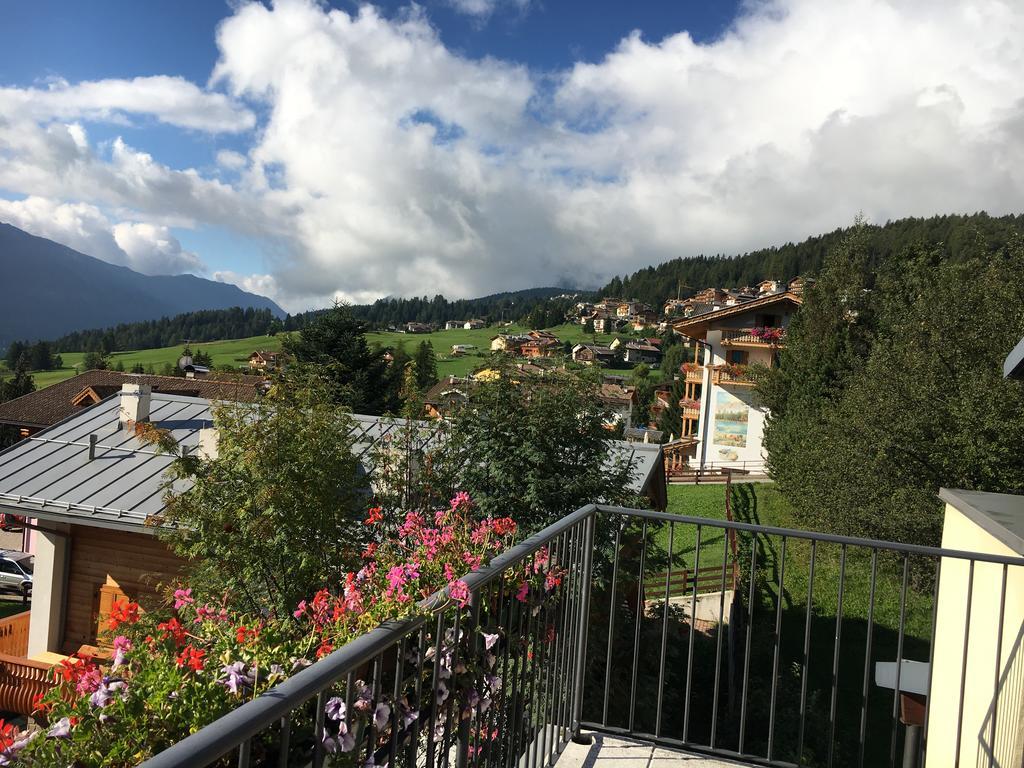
{"x":416,"y":328}
{"x":636,"y":352}
{"x":454,"y":325}
{"x":540,"y":347}
{"x":474,"y":325}
{"x":262,"y":360}
{"x":727,"y":420}
{"x":458,"y":350}
{"x":97,"y":491}
{"x":447,"y":396}
{"x":509,"y":343}
{"x":620,"y":400}
{"x":593,"y":354}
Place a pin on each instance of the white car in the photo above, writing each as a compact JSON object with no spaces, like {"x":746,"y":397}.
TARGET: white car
{"x":16,"y":571}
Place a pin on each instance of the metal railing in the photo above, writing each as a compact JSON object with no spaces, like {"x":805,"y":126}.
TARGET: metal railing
{"x":764,"y":651}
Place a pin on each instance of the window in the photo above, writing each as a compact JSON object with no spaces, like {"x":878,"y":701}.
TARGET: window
{"x":7,"y":567}
{"x":737,"y":357}
{"x":768,"y":321}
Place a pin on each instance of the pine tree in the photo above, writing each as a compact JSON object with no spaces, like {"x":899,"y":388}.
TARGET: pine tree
{"x":426,"y":366}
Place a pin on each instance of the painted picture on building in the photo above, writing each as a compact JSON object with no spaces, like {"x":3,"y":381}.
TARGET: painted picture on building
{"x":730,"y":420}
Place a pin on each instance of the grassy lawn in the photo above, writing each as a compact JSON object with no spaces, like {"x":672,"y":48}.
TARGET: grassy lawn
{"x":236,"y":351}
{"x":763,"y":504}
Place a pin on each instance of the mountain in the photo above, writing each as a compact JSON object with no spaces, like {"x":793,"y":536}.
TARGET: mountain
{"x":50,"y":289}
{"x":655,"y":284}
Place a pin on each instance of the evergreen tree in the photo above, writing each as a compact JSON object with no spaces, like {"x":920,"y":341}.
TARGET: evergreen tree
{"x":426,"y":366}
{"x":95,"y":361}
{"x":671,"y":420}
{"x":336,"y":340}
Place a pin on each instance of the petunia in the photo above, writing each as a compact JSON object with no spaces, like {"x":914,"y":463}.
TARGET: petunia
{"x":61,"y":729}
{"x":381,"y":715}
{"x":335,"y":708}
{"x":490,"y":640}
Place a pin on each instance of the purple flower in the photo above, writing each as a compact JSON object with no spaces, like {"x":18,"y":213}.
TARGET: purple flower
{"x":409,"y":716}
{"x":343,"y":742}
{"x":100,"y":697}
{"x":335,"y":708}
{"x":236,"y":677}
{"x":298,"y":664}
{"x":442,"y":692}
{"x":381,"y":715}
{"x":61,"y":729}
{"x":490,"y":640}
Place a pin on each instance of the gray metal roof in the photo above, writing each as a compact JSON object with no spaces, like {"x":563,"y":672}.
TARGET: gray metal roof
{"x":50,"y":476}
{"x":1013,"y":367}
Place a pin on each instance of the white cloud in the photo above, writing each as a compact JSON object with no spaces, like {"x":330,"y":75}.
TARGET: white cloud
{"x":144,"y":247}
{"x":386,"y":163}
{"x":171,"y":100}
{"x":483,"y":9}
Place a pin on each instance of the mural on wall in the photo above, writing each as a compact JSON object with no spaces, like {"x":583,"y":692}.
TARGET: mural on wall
{"x":730,"y":420}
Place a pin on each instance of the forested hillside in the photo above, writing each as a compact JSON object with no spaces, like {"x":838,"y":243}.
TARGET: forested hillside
{"x":657,"y":283}
{"x":496,"y":307}
{"x":204,"y":325}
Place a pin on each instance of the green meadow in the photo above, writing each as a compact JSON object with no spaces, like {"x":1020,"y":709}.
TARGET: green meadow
{"x":236,"y":352}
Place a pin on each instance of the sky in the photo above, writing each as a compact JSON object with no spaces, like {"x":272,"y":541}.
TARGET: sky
{"x":310,"y":151}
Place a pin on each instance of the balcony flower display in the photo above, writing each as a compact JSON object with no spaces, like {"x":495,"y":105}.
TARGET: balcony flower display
{"x":175,"y":670}
{"x":688,"y":403}
{"x":690,"y":367}
{"x":769,"y":335}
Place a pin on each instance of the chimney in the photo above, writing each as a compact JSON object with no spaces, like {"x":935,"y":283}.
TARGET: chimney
{"x":208,"y":439}
{"x":135,"y":399}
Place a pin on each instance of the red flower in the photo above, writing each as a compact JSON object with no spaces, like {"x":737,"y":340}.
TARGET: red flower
{"x":375,"y":516}
{"x":324,"y":649}
{"x":8,"y":733}
{"x":123,"y":612}
{"x":192,"y":658}
{"x":173,"y":628}
{"x":370,"y":551}
{"x":243,"y":633}
{"x":38,"y":705}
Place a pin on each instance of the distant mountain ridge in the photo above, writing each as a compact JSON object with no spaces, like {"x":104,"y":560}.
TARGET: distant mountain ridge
{"x":51,"y":290}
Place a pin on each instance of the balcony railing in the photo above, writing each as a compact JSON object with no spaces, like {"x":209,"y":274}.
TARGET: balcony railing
{"x":736,"y":375}
{"x":694,"y":373}
{"x":766,"y":337}
{"x":763,"y":650}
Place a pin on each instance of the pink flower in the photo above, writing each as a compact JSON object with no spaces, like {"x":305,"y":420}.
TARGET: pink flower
{"x":121,"y":646}
{"x":524,"y":590}
{"x":461,"y":499}
{"x":182,"y":597}
{"x":300,"y":609}
{"x":459,"y":592}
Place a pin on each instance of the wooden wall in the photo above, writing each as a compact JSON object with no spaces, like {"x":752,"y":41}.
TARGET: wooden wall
{"x":135,"y":563}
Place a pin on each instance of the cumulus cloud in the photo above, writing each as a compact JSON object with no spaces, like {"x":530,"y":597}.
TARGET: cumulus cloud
{"x":386,"y":163}
{"x":171,"y":100}
{"x":144,"y":247}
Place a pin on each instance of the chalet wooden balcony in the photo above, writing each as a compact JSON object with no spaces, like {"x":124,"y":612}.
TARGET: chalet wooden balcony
{"x":754,"y":337}
{"x":690,"y":408}
{"x":732,"y":375}
{"x":695,"y":375}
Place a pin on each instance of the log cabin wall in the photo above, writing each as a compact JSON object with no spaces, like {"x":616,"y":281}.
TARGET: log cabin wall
{"x":133,"y":564}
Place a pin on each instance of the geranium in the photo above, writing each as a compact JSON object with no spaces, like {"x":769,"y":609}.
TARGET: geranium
{"x":191,"y":657}
{"x":122,"y":612}
{"x":182,"y":597}
{"x":172,"y":628}
{"x":374,"y":516}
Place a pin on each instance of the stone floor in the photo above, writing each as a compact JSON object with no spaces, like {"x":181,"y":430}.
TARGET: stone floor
{"x":613,"y":751}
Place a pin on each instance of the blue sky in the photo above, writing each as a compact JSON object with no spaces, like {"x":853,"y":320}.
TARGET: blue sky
{"x":466,"y":146}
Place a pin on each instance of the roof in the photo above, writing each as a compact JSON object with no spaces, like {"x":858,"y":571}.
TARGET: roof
{"x":635,"y":345}
{"x":697,"y":325}
{"x":1000,"y":514}
{"x":54,"y":403}
{"x":50,"y":476}
{"x":446,"y":386}
{"x":1013,"y":368}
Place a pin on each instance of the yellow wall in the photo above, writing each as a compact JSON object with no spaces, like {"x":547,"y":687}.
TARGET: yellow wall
{"x":979,"y":684}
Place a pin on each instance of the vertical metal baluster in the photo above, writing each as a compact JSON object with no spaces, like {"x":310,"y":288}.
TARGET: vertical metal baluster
{"x":835,"y":656}
{"x":664,"y":632}
{"x":807,"y":655}
{"x":349,"y":696}
{"x":449,"y":732}
{"x":775,"y":653}
{"x":639,"y":623}
{"x":749,"y":640}
{"x":693,"y":632}
{"x":518,"y":714}
{"x":867,"y":663}
{"x":535,"y":673}
{"x":498,"y":592}
{"x":371,"y":732}
{"x":611,"y":626}
{"x":244,"y":753}
{"x":396,"y":693}
{"x":318,"y":730}
{"x":999,"y":664}
{"x":559,"y":685}
{"x":963,"y":664}
{"x":554,"y":556}
{"x":283,"y":744}
{"x":586,"y":578}
{"x":465,"y":731}
{"x":899,"y":659}
{"x":931,"y":660}
{"x":569,"y":629}
{"x":435,"y":705}
{"x":417,"y":725}
{"x":507,"y":700}
{"x":718,"y":640}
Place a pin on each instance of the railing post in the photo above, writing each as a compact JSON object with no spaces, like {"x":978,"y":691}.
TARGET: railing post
{"x":581,"y":656}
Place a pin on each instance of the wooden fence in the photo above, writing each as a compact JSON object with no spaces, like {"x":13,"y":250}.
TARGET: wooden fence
{"x":14,"y":634}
